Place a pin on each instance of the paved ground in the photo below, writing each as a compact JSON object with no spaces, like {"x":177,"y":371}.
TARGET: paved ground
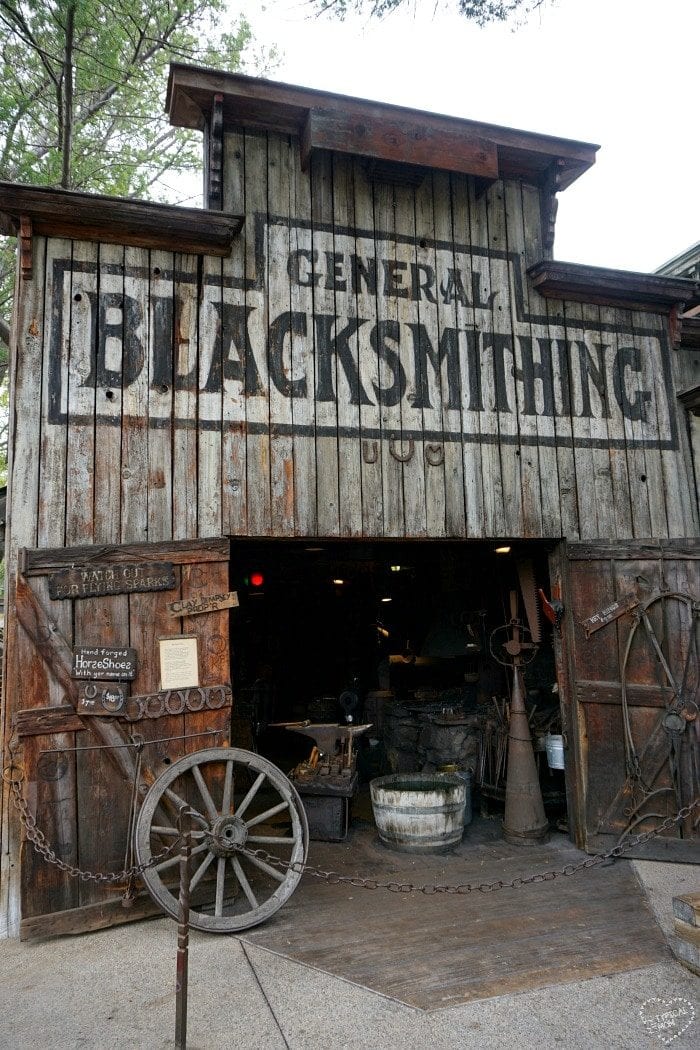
{"x":114,"y":989}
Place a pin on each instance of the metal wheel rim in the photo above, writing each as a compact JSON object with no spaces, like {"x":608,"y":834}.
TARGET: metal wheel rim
{"x":203,"y":857}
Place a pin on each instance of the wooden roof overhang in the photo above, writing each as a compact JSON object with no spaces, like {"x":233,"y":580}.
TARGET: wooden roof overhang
{"x":27,"y":210}
{"x":624,"y":288}
{"x":383,"y":133}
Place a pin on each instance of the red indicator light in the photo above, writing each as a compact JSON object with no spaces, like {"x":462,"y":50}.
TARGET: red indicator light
{"x":256,"y":579}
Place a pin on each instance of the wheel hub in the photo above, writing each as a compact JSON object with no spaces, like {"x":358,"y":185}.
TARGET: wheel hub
{"x":226,"y":835}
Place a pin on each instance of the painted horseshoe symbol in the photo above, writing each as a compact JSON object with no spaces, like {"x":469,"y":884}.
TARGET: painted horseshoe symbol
{"x":435,"y":454}
{"x":397,"y":452}
{"x":370,"y":451}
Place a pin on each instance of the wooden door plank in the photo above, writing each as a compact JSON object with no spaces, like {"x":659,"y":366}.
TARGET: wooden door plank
{"x":30,"y":357}
{"x":349,"y":395}
{"x":390,"y":377}
{"x":303,"y":365}
{"x":435,"y":453}
{"x":257,"y":320}
{"x":233,"y":467}
{"x":619,"y":461}
{"x":538,"y":460}
{"x":327,"y":480}
{"x":185,"y":382}
{"x":108,"y":405}
{"x":411,"y":418}
{"x":134,"y":494}
{"x":517,"y":473}
{"x":460,"y":487}
{"x":493,"y":485}
{"x":210,"y":400}
{"x":39,"y":562}
{"x":563,"y":401}
{"x":279,"y":354}
{"x":475,"y":452}
{"x":160,"y":397}
{"x":599,"y":428}
{"x":583,"y":454}
{"x":369,"y":439}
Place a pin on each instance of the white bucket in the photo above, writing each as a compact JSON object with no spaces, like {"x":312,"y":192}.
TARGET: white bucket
{"x":555,"y":750}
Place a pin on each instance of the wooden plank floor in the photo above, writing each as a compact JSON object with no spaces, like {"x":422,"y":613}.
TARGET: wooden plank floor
{"x":438,"y":951}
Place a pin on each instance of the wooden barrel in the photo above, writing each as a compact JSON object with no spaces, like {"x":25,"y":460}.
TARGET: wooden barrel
{"x":419,"y":812}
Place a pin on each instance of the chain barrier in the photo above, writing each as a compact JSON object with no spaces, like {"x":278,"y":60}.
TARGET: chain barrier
{"x":334,"y":877}
{"x":14,"y":776}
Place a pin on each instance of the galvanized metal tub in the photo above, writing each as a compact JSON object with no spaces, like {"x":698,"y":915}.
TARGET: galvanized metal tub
{"x":419,"y":812}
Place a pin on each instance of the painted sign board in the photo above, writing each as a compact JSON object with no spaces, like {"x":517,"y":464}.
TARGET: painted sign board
{"x":496,"y":362}
{"x":103,"y":663}
{"x":94,"y":581}
{"x":203,"y":603}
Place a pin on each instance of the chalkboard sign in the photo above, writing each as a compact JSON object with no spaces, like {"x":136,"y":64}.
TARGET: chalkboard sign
{"x":100,"y":662}
{"x":94,"y":581}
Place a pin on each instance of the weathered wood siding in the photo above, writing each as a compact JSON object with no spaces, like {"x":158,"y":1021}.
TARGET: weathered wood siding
{"x":369,"y":361}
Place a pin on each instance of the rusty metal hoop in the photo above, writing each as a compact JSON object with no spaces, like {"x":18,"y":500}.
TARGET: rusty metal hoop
{"x":238,"y":798}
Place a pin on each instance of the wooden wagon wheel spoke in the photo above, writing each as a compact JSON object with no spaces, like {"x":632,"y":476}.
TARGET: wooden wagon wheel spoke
{"x":220,"y":885}
{"x":271,"y":840}
{"x":253,"y":792}
{"x":245,"y":885}
{"x":228,"y":790}
{"x":204,"y":792}
{"x":275,"y":873}
{"x":180,"y":802}
{"x":266,"y":815}
{"x":165,"y":864}
{"x":201,"y":871}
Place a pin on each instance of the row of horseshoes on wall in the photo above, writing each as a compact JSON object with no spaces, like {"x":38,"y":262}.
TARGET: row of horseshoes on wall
{"x":434,"y":453}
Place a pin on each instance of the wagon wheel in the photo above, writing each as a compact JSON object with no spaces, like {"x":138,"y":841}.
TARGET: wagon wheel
{"x":240,"y":799}
{"x":678,"y":672}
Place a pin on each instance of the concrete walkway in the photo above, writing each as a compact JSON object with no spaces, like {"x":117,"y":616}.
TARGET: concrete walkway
{"x":115,"y":989}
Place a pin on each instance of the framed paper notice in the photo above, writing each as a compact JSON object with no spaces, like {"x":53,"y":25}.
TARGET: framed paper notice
{"x":179,"y":662}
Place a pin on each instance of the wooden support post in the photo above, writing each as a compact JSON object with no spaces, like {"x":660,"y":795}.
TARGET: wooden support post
{"x":25,"y":247}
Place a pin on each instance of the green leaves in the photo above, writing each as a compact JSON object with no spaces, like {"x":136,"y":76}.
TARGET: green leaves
{"x":101,"y":88}
{"x":480,"y":11}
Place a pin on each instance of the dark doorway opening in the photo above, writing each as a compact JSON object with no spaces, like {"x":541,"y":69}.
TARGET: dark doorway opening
{"x":411,"y":630}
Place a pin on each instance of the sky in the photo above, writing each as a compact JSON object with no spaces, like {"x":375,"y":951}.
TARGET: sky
{"x":618,"y":73}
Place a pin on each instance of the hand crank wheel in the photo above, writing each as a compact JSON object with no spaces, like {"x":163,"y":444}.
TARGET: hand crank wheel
{"x":240,"y":800}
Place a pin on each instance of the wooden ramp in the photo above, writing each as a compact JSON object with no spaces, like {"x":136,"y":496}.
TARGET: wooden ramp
{"x":439,"y":951}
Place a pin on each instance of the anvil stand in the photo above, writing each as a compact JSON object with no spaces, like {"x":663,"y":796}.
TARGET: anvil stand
{"x":328,"y":779}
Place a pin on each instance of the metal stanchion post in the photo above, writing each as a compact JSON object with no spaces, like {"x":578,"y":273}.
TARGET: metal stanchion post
{"x":183,"y":937}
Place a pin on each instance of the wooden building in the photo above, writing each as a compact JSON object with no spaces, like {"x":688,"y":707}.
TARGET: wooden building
{"x":362,"y":352}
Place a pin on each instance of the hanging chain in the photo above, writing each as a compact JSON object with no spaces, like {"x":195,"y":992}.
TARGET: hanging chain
{"x":334,"y":877}
{"x":13,"y":775}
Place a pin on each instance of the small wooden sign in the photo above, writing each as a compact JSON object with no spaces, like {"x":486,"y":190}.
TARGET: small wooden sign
{"x":203,"y":603}
{"x":96,"y":580}
{"x":99,"y":662}
{"x":608,"y":614}
{"x":102,"y":698}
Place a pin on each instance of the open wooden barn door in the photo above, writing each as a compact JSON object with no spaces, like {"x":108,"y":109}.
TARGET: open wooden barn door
{"x":629,"y":672}
{"x":78,"y":609}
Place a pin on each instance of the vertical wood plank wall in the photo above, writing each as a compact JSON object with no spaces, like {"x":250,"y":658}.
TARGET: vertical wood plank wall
{"x":369,"y":361}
